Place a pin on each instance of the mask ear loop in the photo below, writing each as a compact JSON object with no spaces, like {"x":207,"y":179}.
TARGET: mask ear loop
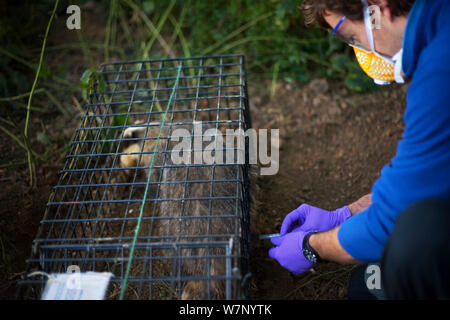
{"x":368,"y":24}
{"x":369,"y":33}
{"x":398,"y":67}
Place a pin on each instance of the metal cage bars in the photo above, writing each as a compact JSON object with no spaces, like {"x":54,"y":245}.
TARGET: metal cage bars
{"x":89,"y":213}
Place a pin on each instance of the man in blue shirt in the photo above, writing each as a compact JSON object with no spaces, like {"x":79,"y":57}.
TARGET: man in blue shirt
{"x":405,"y":222}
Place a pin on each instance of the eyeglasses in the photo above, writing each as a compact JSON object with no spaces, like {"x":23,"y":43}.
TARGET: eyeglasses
{"x":348,"y":40}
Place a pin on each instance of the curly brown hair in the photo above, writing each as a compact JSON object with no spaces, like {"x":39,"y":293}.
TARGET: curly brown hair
{"x":314,"y":10}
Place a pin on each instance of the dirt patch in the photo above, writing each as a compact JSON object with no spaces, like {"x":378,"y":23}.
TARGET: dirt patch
{"x":22,"y":207}
{"x":333,"y":146}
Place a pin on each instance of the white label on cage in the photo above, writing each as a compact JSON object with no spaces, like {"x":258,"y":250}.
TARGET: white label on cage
{"x":77,"y":286}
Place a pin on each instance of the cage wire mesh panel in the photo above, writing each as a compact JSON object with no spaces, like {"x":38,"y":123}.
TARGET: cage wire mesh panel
{"x":165,"y":230}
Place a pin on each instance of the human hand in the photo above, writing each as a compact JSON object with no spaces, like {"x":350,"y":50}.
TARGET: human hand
{"x":289,"y":252}
{"x":309,"y":218}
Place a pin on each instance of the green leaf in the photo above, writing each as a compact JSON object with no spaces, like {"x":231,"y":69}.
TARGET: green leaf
{"x":119,"y":121}
{"x":87,"y":82}
{"x":353,"y":83}
{"x":101,"y":82}
{"x":86,"y":77}
{"x":360,"y":82}
{"x":84,"y":94}
{"x":341,"y":61}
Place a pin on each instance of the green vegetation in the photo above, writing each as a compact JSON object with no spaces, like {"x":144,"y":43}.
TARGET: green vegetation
{"x":270,"y":33}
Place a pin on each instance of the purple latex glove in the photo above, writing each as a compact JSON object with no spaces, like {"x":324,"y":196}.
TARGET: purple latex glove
{"x":289,"y":252}
{"x":309,"y":218}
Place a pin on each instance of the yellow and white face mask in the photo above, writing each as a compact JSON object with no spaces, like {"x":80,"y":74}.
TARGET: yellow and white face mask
{"x":382,"y":69}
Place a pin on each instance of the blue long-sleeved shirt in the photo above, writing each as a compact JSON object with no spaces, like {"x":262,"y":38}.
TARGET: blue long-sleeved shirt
{"x":421,"y":166}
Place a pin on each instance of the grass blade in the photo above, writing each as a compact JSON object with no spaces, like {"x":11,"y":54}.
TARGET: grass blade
{"x":30,"y":98}
{"x":236,"y":32}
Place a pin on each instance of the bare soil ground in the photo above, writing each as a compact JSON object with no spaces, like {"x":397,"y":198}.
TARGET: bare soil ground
{"x":333,"y":146}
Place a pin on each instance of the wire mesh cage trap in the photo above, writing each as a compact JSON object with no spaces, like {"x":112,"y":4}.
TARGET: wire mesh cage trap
{"x":124,"y":203}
